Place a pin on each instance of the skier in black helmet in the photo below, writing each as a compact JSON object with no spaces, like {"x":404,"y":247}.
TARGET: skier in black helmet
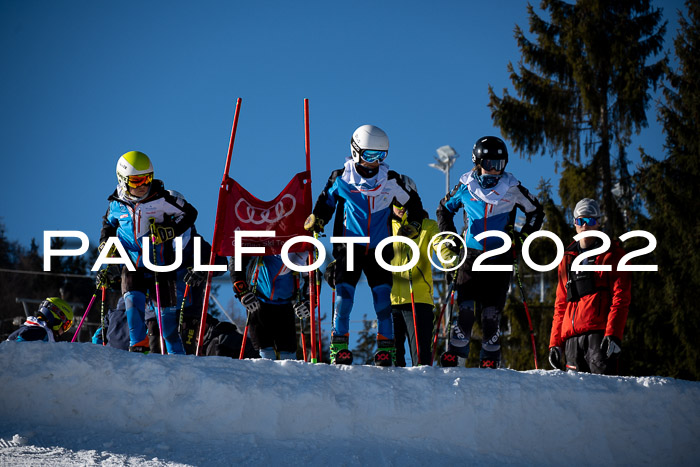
{"x":490,"y":197}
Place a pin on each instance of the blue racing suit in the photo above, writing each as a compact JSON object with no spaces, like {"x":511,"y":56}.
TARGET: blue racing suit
{"x":486,"y":209}
{"x":130,"y":222}
{"x":362,"y":207}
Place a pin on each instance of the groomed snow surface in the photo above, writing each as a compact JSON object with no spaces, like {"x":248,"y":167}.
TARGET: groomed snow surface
{"x":81,"y":404}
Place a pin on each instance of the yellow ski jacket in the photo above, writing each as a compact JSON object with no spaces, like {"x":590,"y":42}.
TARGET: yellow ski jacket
{"x":422,"y":272}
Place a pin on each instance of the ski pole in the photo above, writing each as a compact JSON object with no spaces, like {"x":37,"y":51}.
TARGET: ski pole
{"x":247,"y":317}
{"x":413,"y":305}
{"x":312,"y":306}
{"x":413,"y":309}
{"x":245,"y":337}
{"x":303,"y":338}
{"x":301,"y":320}
{"x":152,"y":221}
{"x":527,"y":312}
{"x":102,"y":316}
{"x":75,"y":336}
{"x":449,"y":298}
{"x":182,"y":308}
{"x":332,"y":308}
{"x":317,"y":275}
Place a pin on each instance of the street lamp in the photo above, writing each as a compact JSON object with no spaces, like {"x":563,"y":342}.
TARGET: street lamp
{"x":446,"y":156}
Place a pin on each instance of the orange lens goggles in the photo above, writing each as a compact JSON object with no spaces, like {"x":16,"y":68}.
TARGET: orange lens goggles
{"x":138,"y":180}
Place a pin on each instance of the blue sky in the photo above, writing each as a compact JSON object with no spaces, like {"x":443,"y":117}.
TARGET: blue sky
{"x":85,"y":81}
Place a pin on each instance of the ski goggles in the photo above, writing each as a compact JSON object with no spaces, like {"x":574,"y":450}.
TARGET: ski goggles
{"x":369,"y":155}
{"x":493,"y":164}
{"x":372,"y":155}
{"x":135,"y":181}
{"x":47,"y":306}
{"x":581,"y":221}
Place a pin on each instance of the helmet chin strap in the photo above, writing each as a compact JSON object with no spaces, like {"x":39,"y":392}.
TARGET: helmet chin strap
{"x":366,"y":172}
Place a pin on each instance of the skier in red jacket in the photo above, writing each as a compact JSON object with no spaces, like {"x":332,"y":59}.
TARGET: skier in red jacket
{"x":591,"y":307}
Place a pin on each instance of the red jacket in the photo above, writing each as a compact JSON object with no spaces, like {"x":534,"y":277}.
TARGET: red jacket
{"x":603,"y":310}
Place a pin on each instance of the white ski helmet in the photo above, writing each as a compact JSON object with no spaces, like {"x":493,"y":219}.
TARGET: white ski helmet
{"x":587,"y":207}
{"x":134,"y":169}
{"x":369,"y":143}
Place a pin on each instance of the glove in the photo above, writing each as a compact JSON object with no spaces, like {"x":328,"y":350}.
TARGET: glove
{"x":555,"y":357}
{"x":194,"y":278}
{"x":106,"y":277}
{"x":448,"y":251}
{"x":162,"y":234}
{"x":247,"y":298}
{"x":301,"y":309}
{"x":112,"y":250}
{"x":250,"y":302}
{"x":409,"y":230}
{"x":610,"y":346}
{"x":314,"y":224}
{"x":329,"y":274}
{"x":517,"y":236}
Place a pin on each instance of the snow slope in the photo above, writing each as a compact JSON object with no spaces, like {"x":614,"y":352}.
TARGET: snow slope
{"x":66,"y":404}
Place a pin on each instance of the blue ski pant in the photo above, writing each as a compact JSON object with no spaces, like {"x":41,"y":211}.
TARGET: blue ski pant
{"x":379,"y":280}
{"x":135,"y":286}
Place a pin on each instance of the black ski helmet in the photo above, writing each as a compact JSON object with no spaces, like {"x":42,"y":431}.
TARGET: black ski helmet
{"x":490,"y":148}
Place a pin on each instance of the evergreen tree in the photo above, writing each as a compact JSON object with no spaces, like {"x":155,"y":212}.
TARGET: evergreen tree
{"x":665,"y":318}
{"x":582,"y":89}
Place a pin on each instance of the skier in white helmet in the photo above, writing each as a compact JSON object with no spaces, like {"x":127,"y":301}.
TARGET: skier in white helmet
{"x":141,"y":207}
{"x":361,"y":195}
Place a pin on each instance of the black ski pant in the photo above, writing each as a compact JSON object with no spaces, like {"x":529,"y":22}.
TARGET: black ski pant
{"x":488,"y":290}
{"x":273,"y":326}
{"x":403,"y":327}
{"x":583,"y":353}
{"x":144,"y":281}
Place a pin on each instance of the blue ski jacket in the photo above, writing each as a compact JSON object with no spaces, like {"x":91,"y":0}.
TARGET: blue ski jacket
{"x":362,"y":206}
{"x":130,"y":221}
{"x":273,"y":281}
{"x":489,"y":209}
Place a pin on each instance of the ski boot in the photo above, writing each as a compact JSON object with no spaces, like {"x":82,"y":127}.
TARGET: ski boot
{"x":449,"y":359}
{"x":489,"y":359}
{"x":458,"y":338}
{"x":140,"y":347}
{"x":340,"y":355}
{"x":386,"y":353}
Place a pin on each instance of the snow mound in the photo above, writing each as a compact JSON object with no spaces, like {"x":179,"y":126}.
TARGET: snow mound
{"x":65,"y":404}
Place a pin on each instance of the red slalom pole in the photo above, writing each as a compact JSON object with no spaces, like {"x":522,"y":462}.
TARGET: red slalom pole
{"x":527,"y":311}
{"x":413,"y":308}
{"x":318,"y":321}
{"x":220,"y":210}
{"x":312,"y":274}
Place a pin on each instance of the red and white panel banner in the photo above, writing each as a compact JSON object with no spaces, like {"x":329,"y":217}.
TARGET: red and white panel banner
{"x":285,"y":215}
